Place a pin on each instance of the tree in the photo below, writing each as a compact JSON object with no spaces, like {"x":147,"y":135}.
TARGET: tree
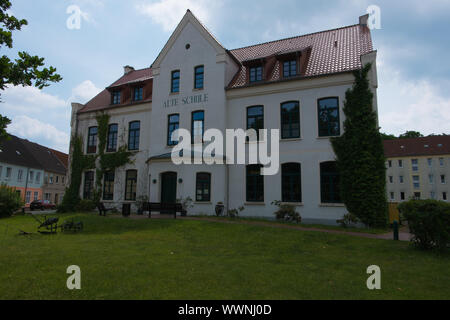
{"x":360,"y":155}
{"x":26,"y":70}
{"x":411,"y":134}
{"x":386,"y":136}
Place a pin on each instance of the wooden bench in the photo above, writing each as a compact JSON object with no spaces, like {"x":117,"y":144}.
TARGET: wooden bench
{"x":102,"y":210}
{"x":164,"y":208}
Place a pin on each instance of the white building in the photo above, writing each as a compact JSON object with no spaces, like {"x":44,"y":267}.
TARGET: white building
{"x":296,"y":85}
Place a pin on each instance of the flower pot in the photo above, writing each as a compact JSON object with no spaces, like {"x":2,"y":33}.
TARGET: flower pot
{"x":219,"y":209}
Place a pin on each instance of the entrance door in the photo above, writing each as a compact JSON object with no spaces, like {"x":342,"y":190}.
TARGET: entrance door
{"x":169,"y":187}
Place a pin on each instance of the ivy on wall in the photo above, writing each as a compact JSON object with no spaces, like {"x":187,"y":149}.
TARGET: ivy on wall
{"x":102,"y":163}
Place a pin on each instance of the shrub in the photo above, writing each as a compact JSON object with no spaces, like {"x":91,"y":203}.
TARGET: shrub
{"x":233,"y":213}
{"x":348,"y":220}
{"x":287,"y":212}
{"x":429,"y":222}
{"x":10,"y":201}
{"x":85,"y":206}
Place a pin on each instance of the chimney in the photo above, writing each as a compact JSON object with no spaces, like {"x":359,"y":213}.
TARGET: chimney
{"x":363,"y":20}
{"x":127,"y":69}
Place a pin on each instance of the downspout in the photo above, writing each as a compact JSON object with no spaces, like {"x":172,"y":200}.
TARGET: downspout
{"x":26,"y":187}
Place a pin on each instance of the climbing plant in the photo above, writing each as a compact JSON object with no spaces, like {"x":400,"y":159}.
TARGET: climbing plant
{"x":102,"y":163}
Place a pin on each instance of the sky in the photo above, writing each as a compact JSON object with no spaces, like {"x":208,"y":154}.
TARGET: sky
{"x":412,"y":44}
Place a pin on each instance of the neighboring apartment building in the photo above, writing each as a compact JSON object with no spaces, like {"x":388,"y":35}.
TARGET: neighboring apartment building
{"x":34,"y":170}
{"x":418,"y":168}
{"x":296,"y":85}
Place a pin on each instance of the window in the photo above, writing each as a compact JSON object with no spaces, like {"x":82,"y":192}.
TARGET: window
{"x":36,"y":196}
{"x":203,"y":187}
{"x":138,"y":93}
{"x":392,"y":196}
{"x":255,"y":183}
{"x":401,"y":179}
{"x":111,"y":144}
{"x":38,"y":177}
{"x":328,"y":110}
{"x":430,"y":162}
{"x":88,"y":185}
{"x":19,"y":175}
{"x":417,"y":195}
{"x":175,"y":83}
{"x":51,"y":179}
{"x":400,"y":163}
{"x":133,"y":135}
{"x":290,"y":120}
{"x":108,"y":185}
{"x":443,"y":180}
{"x":441,"y":162}
{"x":256,"y":74}
{"x":130,"y":186}
{"x":391,"y":179}
{"x":402,"y":196}
{"x":431,"y":178}
{"x":92,"y":140}
{"x":57,"y":179}
{"x":47,"y":196}
{"x":28,"y":197}
{"x":444,"y":196}
{"x":291,"y":182}
{"x":416,"y":182}
{"x":174,"y":124}
{"x":62,"y":180}
{"x":199,"y":77}
{"x":289,"y":68}
{"x":255,"y":118}
{"x":433,"y":195}
{"x":390,"y":163}
{"x":329,"y":183}
{"x":116,"y":97}
{"x":8,"y":173}
{"x":31,"y":176}
{"x":197,"y":126}
{"x":415,"y":164}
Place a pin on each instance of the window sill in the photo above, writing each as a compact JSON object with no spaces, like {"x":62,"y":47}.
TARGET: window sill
{"x":203,"y":202}
{"x":332,"y":205}
{"x":174,"y":93}
{"x":291,"y":139}
{"x":296,"y":204}
{"x":198,"y":89}
{"x":254,"y":204}
{"x":327,"y":138}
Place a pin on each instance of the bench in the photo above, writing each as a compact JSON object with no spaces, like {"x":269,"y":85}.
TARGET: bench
{"x":102,"y":210}
{"x":164,"y":208}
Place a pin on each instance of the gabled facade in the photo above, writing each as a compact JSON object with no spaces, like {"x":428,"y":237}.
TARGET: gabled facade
{"x":296,"y":85}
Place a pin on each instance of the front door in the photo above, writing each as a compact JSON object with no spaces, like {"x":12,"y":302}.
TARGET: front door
{"x":169,"y":187}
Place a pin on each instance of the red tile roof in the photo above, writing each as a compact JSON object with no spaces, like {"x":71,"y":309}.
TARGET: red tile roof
{"x":63,"y":157}
{"x":103,"y":99}
{"x":427,"y":146}
{"x":332,"y":51}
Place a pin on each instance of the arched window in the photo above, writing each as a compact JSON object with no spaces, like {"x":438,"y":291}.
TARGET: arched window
{"x":203,"y":187}
{"x":291,"y":182}
{"x":108,"y":185}
{"x":328,"y":114}
{"x":290,"y":120}
{"x":255,"y":183}
{"x":329,"y":183}
{"x":92,"y":140}
{"x":88,"y":185}
{"x":255,"y":118}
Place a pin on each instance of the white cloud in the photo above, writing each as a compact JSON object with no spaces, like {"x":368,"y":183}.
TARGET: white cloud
{"x":30,"y":99}
{"x":168,"y":13}
{"x":40,"y":132}
{"x":84,"y":92}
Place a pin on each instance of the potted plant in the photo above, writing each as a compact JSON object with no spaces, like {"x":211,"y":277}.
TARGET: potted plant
{"x":220,"y":207}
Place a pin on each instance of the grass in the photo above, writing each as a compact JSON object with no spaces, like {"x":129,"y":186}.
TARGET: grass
{"x":184,"y":259}
{"x":303,"y":225}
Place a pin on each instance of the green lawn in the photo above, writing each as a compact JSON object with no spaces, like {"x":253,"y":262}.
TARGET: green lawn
{"x":175,"y":259}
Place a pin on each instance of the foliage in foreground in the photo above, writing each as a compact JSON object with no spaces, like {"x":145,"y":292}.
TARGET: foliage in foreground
{"x":10,"y":201}
{"x":360,"y":156}
{"x":287,"y":212}
{"x":429,"y":222}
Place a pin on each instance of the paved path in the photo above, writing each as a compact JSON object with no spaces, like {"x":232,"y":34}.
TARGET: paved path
{"x":404,"y":234}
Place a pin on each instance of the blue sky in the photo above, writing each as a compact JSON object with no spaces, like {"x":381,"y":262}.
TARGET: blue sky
{"x":412,"y":44}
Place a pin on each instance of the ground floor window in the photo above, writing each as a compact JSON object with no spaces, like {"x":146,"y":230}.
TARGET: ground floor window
{"x":88,"y":185}
{"x":329,"y":183}
{"x":36,"y":196}
{"x":28,"y":197}
{"x":203,"y":187}
{"x":291,"y":182}
{"x":255,"y":183}
{"x":108,"y":186}
{"x":130,"y":185}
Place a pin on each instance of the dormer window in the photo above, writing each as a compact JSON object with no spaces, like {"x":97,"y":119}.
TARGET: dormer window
{"x":138,"y":93}
{"x":256,"y":74}
{"x":116,"y":95}
{"x":289,"y":68}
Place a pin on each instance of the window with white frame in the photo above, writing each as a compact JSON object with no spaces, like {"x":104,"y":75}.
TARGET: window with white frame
{"x":416,"y":182}
{"x":415,"y":164}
